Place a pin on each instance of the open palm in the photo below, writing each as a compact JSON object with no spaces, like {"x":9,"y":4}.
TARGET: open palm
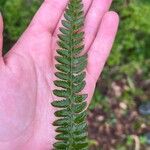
{"x":27,"y":72}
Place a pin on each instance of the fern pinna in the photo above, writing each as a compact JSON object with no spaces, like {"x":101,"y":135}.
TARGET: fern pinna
{"x":71,"y":123}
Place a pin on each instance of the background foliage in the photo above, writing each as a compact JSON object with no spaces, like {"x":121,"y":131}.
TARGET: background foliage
{"x":125,"y":82}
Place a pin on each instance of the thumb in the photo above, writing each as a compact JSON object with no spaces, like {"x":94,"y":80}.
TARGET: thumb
{"x":1,"y":36}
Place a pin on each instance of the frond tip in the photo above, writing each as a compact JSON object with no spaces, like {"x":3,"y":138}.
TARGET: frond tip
{"x":71,"y":113}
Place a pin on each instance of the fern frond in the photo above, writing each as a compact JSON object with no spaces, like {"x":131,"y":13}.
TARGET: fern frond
{"x":71,"y":113}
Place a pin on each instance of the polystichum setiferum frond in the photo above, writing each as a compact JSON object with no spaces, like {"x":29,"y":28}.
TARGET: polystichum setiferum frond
{"x":71,"y":113}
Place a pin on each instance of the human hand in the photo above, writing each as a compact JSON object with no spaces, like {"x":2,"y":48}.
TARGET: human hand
{"x":27,"y":72}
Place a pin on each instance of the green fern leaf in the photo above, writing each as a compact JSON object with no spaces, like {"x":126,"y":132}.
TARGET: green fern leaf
{"x":71,"y":114}
{"x":63,"y":53}
{"x":61,"y":104}
{"x":80,"y":98}
{"x":79,"y":78}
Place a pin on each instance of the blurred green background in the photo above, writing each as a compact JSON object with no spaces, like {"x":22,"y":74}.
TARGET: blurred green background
{"x":114,"y":119}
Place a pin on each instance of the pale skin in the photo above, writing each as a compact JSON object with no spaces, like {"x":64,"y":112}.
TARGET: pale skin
{"x":27,"y":72}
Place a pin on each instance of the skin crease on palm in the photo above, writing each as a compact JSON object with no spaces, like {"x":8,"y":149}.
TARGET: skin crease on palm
{"x":27,"y":72}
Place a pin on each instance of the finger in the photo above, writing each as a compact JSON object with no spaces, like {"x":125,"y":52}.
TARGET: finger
{"x":48,"y":15}
{"x":102,"y":45}
{"x":1,"y":36}
{"x":93,"y":20}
